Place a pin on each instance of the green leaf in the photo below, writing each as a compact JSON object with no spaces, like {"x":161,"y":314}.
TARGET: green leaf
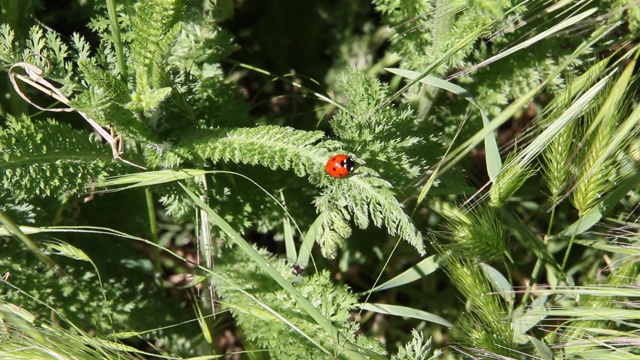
{"x":499,"y":282}
{"x":542,"y":348}
{"x":404,"y":311}
{"x":416,"y":272}
{"x":524,"y":321}
{"x":365,"y":197}
{"x":39,"y":159}
{"x":584,"y":223}
{"x":307,"y":244}
{"x":494,"y":162}
{"x":149,"y":178}
{"x":274,"y":147}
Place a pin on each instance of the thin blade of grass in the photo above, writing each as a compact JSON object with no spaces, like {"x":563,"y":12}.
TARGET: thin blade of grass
{"x":623,"y":249}
{"x":114,"y":25}
{"x":290,"y":82}
{"x":404,"y":311}
{"x":10,"y":228}
{"x":458,"y":154}
{"x":525,"y":320}
{"x":325,"y":323}
{"x":309,"y":239}
{"x":148,"y":178}
{"x":543,"y":349}
{"x":202,"y":321}
{"x":416,"y":272}
{"x":499,"y":282}
{"x":289,"y":243}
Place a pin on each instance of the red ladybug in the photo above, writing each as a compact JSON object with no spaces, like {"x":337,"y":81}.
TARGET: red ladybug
{"x":340,"y":166}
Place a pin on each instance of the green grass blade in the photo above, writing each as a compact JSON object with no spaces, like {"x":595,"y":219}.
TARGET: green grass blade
{"x":309,"y":239}
{"x":499,"y":282}
{"x":584,"y":223}
{"x":459,"y":153}
{"x":10,"y":228}
{"x":117,"y":41}
{"x":416,"y":272}
{"x":325,"y":323}
{"x":289,"y":243}
{"x":404,"y":311}
{"x":149,"y":178}
{"x":493,"y":160}
{"x":543,"y":349}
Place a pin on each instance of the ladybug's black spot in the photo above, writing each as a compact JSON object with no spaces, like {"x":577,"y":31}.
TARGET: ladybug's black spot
{"x":298,"y":269}
{"x":348,"y":164}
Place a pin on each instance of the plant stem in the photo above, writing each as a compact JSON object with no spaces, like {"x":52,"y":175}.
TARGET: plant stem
{"x":442,"y":23}
{"x":153,"y":226}
{"x":117,"y":42}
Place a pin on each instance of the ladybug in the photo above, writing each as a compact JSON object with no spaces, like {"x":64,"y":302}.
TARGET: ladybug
{"x":340,"y":166}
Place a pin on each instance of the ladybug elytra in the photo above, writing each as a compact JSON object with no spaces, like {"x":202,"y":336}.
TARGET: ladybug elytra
{"x":340,"y":166}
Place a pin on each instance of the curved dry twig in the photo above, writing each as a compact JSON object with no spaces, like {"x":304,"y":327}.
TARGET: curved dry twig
{"x":33,"y":77}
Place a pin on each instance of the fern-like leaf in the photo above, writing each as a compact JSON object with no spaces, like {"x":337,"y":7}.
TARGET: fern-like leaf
{"x":48,"y":159}
{"x":361,"y":197}
{"x":8,"y":52}
{"x":282,"y":341}
{"x":111,"y":86}
{"x":364,"y":197}
{"x":274,"y":147}
{"x":105,"y":102}
{"x":417,"y":349}
{"x":154,"y":28}
{"x":383,"y":136}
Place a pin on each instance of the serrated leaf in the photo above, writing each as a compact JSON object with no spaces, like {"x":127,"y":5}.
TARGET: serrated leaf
{"x":48,"y":159}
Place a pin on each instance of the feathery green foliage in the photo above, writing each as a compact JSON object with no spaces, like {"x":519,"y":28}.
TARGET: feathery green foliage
{"x":377,"y":133}
{"x":110,"y":101}
{"x":33,"y":151}
{"x":281,"y":315}
{"x":273,"y":147}
{"x":363,"y":198}
{"x":227,"y":124}
{"x":417,"y":349}
{"x":372,"y":132}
